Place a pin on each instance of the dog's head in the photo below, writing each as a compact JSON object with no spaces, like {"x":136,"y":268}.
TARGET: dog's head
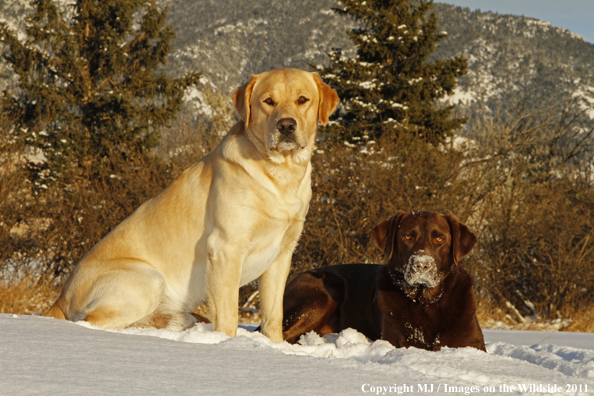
{"x":281,"y":109}
{"x":423,"y":246}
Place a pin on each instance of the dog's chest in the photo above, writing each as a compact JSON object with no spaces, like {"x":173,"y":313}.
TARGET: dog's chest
{"x":420,"y":329}
{"x":264,"y":250}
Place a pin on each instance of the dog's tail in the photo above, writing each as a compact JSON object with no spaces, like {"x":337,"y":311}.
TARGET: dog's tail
{"x":56,"y":312}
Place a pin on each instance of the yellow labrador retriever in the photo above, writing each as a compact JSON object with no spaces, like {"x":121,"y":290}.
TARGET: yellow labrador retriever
{"x":233,"y":217}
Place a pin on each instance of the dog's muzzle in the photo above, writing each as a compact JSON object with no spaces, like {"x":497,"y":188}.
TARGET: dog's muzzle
{"x":286,"y":126}
{"x":285,"y":138}
{"x":421,"y":270}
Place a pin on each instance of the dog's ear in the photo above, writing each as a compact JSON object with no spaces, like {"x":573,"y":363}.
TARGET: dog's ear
{"x":385,"y":232}
{"x":462,"y":239}
{"x":328,"y":100}
{"x":380,"y":232}
{"x":242,"y":98}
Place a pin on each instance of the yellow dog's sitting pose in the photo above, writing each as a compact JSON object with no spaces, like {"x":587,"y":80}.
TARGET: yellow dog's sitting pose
{"x":233,"y":217}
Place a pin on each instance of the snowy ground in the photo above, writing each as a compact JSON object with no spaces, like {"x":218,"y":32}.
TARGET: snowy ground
{"x":44,"y":356}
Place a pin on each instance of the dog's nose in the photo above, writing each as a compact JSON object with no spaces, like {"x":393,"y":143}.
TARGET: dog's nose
{"x":421,"y":266}
{"x":286,"y":126}
{"x":422,"y":263}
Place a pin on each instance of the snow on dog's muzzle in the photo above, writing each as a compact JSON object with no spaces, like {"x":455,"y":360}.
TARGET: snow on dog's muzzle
{"x":421,"y":270}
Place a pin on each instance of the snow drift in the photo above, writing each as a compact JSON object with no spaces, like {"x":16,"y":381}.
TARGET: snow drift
{"x":47,"y":356}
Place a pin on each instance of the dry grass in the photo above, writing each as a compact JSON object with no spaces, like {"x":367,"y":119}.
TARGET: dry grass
{"x":582,"y":319}
{"x":28,"y":297}
{"x":34,"y":297}
{"x":492,"y":316}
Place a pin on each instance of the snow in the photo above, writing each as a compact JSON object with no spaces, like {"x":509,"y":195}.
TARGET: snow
{"x":459,"y":96}
{"x":586,"y":95}
{"x":46,"y":356}
{"x":371,"y":84}
{"x":461,"y":143}
{"x":421,"y":269}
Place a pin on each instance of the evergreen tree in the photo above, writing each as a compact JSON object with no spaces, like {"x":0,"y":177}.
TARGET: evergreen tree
{"x":89,"y":88}
{"x":390,"y":87}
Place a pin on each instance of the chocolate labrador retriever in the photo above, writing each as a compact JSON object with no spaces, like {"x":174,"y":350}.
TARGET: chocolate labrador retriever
{"x":420,"y":298}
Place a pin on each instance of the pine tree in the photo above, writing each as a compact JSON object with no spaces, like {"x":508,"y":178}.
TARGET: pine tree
{"x":390,"y":87}
{"x":89,"y":87}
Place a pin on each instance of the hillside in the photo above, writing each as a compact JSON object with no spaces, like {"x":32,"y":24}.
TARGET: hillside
{"x":514,"y":62}
{"x":231,"y":40}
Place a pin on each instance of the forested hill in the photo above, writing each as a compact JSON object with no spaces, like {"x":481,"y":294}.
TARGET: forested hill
{"x":515,"y":62}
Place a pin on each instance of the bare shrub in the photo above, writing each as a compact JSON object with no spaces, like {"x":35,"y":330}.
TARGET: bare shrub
{"x":49,"y":231}
{"x":354,"y":191}
{"x":193,"y":135}
{"x":56,"y":227}
{"x":44,"y":233}
{"x":535,"y":255}
{"x":526,"y":189}
{"x":13,"y":195}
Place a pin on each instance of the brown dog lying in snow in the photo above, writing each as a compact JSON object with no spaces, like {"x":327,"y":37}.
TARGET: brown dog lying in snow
{"x":420,"y":298}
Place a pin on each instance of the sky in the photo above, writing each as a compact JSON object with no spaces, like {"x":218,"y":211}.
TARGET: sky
{"x":574,"y":15}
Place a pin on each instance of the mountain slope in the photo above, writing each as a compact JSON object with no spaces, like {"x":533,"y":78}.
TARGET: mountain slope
{"x":515,"y":63}
{"x":231,"y":40}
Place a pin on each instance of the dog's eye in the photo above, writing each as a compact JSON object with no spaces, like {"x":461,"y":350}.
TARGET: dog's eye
{"x":439,"y":239}
{"x":269,"y":101}
{"x":407,"y":237}
{"x":302,"y":99}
